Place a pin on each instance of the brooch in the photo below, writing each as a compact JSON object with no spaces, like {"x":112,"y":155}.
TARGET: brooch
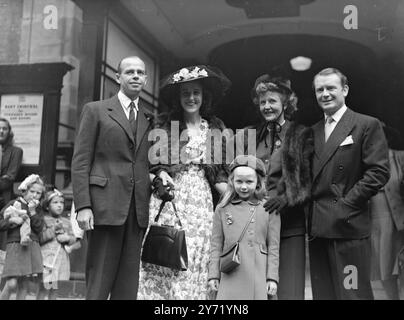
{"x":229,"y":218}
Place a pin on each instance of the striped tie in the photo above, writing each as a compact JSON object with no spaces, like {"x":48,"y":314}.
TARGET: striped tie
{"x":132,"y":117}
{"x":328,"y":127}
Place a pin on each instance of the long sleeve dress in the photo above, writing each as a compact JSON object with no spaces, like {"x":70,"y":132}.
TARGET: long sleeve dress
{"x":193,"y":199}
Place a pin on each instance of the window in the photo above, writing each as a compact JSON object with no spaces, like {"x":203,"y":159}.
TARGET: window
{"x":119,"y":44}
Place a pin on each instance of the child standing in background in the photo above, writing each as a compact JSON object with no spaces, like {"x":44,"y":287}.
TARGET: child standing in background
{"x":257,"y":276}
{"x":57,"y":239}
{"x":23,"y":260}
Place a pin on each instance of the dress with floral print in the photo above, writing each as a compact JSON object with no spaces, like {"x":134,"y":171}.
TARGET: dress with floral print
{"x":193,"y":200}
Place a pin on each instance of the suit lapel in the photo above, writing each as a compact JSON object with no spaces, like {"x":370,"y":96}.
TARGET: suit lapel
{"x":318,"y":130}
{"x":116,"y":112}
{"x":142,"y":124}
{"x":340,"y":132}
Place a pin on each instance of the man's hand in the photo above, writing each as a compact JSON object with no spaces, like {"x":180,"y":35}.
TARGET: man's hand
{"x":275,"y":204}
{"x":85,"y":219}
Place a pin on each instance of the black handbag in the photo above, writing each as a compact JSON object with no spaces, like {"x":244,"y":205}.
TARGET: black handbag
{"x":165,"y":245}
{"x":230,"y":259}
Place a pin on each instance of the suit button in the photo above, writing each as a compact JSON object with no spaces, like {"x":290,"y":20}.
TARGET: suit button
{"x":340,"y":167}
{"x":348,"y":221}
{"x":131,"y":146}
{"x":132,"y":180}
{"x":335,"y":200}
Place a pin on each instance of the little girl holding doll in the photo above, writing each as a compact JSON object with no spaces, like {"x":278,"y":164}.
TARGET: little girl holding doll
{"x":241,"y":207}
{"x":23,"y":260}
{"x":57,"y":240}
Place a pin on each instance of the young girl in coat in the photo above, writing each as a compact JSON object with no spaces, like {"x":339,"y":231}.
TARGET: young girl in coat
{"x":256,"y":277}
{"x":23,"y":260}
{"x":57,"y":240}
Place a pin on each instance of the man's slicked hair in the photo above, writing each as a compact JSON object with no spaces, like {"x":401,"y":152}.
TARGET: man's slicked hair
{"x":328,"y":71}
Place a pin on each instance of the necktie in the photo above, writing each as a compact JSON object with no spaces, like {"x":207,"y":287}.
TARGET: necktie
{"x":132,"y":118}
{"x":328,"y":127}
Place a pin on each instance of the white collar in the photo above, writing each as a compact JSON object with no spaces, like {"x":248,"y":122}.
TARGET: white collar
{"x":338,"y":114}
{"x":125,"y":100}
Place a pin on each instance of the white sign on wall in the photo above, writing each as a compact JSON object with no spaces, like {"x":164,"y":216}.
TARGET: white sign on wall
{"x":24,"y":111}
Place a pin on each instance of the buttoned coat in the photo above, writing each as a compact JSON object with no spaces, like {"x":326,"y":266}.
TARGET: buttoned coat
{"x":109,"y":163}
{"x":259,"y":250}
{"x":346,"y":175}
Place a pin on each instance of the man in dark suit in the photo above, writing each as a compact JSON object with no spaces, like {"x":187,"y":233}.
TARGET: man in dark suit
{"x":111,"y":184}
{"x":350,"y":165}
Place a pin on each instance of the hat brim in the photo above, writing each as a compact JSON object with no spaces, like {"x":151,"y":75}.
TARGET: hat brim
{"x":214,"y":81}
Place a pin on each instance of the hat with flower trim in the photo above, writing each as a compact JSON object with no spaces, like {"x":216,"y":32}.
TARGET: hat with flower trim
{"x":212,"y":79}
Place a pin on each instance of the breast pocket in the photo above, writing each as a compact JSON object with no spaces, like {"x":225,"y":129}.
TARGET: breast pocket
{"x":346,"y":147}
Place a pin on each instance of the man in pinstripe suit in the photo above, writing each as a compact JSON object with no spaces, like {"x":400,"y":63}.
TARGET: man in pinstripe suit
{"x":350,"y":165}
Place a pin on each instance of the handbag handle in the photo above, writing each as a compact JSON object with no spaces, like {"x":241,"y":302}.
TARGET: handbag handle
{"x":161,"y":209}
{"x":248,"y":223}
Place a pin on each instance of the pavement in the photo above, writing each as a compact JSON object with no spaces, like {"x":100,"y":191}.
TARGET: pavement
{"x":75,"y":289}
{"x":79,"y":294}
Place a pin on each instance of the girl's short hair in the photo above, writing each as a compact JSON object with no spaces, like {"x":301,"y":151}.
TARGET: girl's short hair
{"x":49,"y":195}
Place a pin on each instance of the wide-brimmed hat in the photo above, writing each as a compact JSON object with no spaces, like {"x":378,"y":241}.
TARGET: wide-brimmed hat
{"x":212,"y":79}
{"x":277,"y":83}
{"x":248,"y":161}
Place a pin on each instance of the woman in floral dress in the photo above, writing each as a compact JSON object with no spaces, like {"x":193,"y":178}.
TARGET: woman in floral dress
{"x":190,"y":93}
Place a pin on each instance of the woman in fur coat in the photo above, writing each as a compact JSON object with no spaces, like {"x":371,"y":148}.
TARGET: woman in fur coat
{"x":286,"y":149}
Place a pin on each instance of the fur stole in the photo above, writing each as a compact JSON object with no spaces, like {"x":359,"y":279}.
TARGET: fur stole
{"x":297,"y":152}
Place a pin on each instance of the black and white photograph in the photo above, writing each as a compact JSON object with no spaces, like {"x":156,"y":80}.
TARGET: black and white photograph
{"x":201,"y":153}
